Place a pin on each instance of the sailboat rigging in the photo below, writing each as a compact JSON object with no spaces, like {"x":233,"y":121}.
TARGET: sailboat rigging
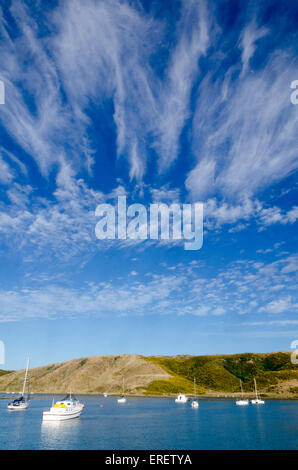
{"x":194,"y":403}
{"x":21,"y":403}
{"x":257,"y":400}
{"x":242,"y":401}
{"x":122,"y":399}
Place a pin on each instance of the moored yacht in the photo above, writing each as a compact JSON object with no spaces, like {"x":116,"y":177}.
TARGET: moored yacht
{"x":194,"y":403}
{"x":122,"y":399}
{"x":242,"y":401}
{"x":67,"y":408}
{"x":181,"y":398}
{"x":22,"y":402}
{"x":257,"y":400}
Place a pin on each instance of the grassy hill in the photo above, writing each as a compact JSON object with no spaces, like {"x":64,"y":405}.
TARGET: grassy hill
{"x":3,"y":372}
{"x":220,"y":374}
{"x":95,"y":374}
{"x":160,"y":375}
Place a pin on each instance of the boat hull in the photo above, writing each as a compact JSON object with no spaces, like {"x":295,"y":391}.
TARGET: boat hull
{"x":257,"y":402}
{"x":181,"y":399}
{"x":22,"y":407}
{"x":51,"y":416}
{"x":242,"y":402}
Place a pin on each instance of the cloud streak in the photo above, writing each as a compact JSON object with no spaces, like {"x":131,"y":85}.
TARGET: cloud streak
{"x":241,"y":288}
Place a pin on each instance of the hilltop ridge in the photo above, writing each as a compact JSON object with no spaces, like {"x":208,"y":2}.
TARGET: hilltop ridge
{"x":216,"y":375}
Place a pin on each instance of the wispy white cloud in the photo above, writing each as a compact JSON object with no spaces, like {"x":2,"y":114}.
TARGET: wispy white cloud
{"x":247,"y":142}
{"x":250,"y":36}
{"x":278,"y":306}
{"x":6,"y":174}
{"x":193,"y":41}
{"x":244,"y":136}
{"x":243,"y":131}
{"x":241,"y":288}
{"x":274,"y":215}
{"x":30,"y":77}
{"x":94,"y":52}
{"x":165,"y":195}
{"x":62,"y":227}
{"x":272,"y":323}
{"x":103,"y":51}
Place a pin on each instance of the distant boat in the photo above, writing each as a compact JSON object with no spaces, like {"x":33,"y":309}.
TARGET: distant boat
{"x":181,"y":398}
{"x":257,"y":400}
{"x":105,"y":395}
{"x":122,"y":399}
{"x":67,"y":408}
{"x":194,"y":403}
{"x":242,"y":401}
{"x":21,"y":403}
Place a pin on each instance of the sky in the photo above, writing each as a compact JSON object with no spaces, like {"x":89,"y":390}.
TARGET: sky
{"x":162,"y":101}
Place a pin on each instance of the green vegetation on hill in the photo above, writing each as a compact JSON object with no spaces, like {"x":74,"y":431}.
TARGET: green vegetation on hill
{"x":175,"y":385}
{"x":275,"y":373}
{"x":3,"y":372}
{"x":247,"y":366}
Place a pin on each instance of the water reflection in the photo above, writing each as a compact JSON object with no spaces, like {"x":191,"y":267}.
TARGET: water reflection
{"x":59,"y":434}
{"x":17,"y":418}
{"x":260,"y":425}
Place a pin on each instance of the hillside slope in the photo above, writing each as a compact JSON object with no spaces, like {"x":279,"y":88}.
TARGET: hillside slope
{"x":160,"y":375}
{"x":95,"y":374}
{"x":221,"y":374}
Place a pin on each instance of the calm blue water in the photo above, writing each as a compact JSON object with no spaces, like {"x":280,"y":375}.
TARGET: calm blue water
{"x":147,"y":423}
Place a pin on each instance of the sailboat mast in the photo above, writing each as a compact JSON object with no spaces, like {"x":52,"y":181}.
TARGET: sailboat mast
{"x":26,"y":373}
{"x":241,"y":388}
{"x":256,"y":389}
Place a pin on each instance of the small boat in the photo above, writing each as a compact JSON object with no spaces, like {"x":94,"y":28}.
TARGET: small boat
{"x":181,"y":398}
{"x":242,"y":401}
{"x":21,"y":403}
{"x":194,"y":403}
{"x":257,"y":400}
{"x":122,"y":399}
{"x":105,"y":395}
{"x":67,"y":408}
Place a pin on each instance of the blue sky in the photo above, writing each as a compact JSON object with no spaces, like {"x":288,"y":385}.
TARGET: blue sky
{"x":169,"y":101}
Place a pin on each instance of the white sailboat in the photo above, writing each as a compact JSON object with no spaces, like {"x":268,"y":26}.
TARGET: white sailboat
{"x":181,"y":398}
{"x":194,"y":403}
{"x":21,"y":403}
{"x":122,"y":399}
{"x":257,"y":400}
{"x":67,"y":408}
{"x":242,"y":401}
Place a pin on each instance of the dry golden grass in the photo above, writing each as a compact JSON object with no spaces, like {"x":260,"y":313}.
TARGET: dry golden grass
{"x":95,"y":374}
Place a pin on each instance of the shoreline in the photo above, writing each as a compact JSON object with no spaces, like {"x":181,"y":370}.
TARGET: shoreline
{"x":114,"y":395}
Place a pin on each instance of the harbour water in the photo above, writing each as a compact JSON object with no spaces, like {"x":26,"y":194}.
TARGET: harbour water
{"x":153,"y":423}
